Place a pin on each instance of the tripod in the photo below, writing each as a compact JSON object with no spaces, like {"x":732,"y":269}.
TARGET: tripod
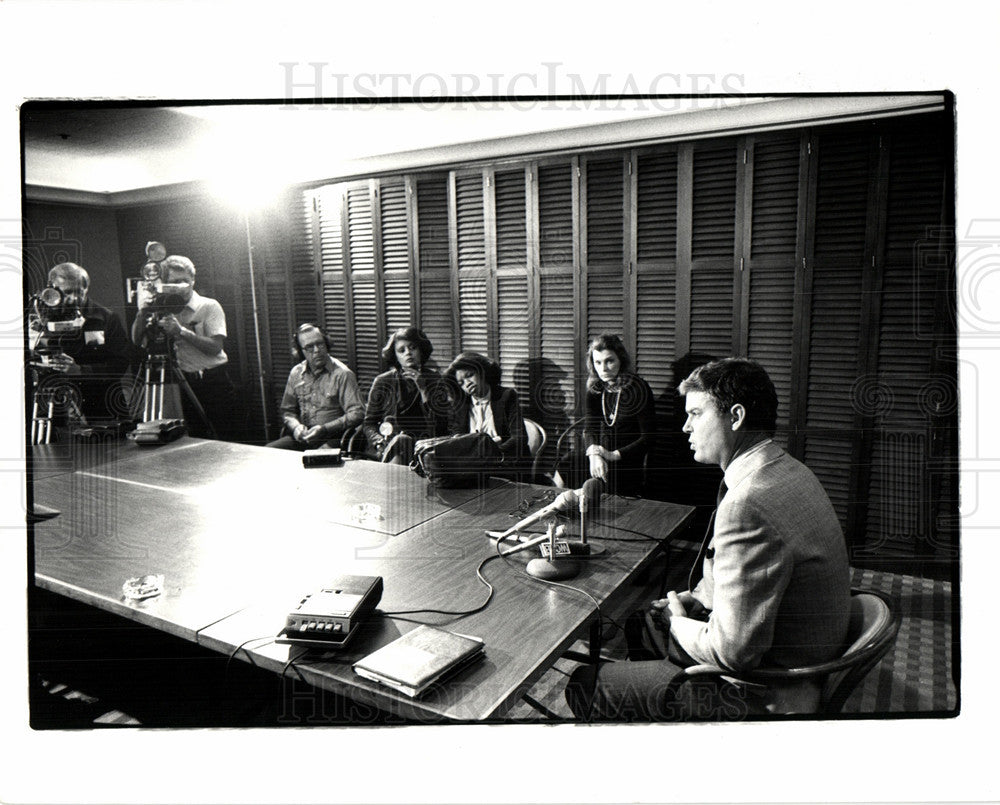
{"x":158,"y":368}
{"x":44,"y":401}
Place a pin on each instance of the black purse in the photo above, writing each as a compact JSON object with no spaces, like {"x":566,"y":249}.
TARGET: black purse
{"x":457,"y":461}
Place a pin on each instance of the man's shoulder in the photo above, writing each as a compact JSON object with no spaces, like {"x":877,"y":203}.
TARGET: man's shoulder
{"x":340,"y":369}
{"x":201,"y":302}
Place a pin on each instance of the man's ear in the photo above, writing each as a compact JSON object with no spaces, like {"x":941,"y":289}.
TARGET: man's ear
{"x":737,"y":416}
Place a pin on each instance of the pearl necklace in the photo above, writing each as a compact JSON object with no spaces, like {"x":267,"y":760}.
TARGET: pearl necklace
{"x":610,"y":420}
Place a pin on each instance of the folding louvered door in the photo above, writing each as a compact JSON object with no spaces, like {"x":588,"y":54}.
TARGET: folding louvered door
{"x":795,"y":247}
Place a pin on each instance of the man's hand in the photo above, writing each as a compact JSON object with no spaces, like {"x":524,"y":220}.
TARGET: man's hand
{"x":662,"y":609}
{"x":314,"y":435}
{"x":61,"y":362}
{"x":170,"y":325}
{"x":299,"y":432}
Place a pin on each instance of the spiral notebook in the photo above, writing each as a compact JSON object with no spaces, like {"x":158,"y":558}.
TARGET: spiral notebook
{"x":417,"y":660}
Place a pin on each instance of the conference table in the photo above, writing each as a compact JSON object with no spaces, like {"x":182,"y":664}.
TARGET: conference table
{"x":241,"y":533}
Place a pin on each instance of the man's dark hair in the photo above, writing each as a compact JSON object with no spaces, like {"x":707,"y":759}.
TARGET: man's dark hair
{"x":412,"y":334}
{"x":738,"y":380}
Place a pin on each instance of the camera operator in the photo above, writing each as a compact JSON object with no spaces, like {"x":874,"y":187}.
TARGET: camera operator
{"x":196,"y":331}
{"x":92,"y":353}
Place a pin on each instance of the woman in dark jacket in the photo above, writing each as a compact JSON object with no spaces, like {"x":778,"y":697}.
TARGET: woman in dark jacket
{"x":407,"y":403}
{"x":482,"y":405}
{"x":620,"y":417}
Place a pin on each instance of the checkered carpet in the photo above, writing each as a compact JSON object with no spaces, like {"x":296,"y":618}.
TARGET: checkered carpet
{"x":914,"y":677}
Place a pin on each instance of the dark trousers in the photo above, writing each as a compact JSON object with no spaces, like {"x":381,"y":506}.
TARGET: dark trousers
{"x":637,"y":690}
{"x":288,"y":443}
{"x":223,"y":407}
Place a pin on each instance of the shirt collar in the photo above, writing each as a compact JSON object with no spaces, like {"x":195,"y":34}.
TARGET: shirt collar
{"x":327,"y":367}
{"x":192,"y":303}
{"x":742,"y":464}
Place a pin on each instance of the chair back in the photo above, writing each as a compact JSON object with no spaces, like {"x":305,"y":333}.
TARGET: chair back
{"x":874,"y":623}
{"x":537,"y":437}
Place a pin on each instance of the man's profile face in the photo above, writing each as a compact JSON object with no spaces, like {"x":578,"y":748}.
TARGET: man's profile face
{"x":313,"y":346}
{"x":709,"y":430}
{"x":73,"y":290}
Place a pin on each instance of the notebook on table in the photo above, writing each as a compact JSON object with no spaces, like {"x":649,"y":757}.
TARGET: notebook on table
{"x":415,"y":661}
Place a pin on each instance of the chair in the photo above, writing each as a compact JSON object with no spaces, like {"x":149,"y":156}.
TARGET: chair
{"x":562,"y":452}
{"x":874,"y":623}
{"x":537,"y":437}
{"x":353,"y":442}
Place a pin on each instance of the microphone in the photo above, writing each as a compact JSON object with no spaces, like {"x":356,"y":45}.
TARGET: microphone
{"x":567,"y":500}
{"x":590,"y":500}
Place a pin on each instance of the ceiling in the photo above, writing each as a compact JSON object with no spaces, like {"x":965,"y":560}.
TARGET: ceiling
{"x":117,"y":152}
{"x":110,"y":149}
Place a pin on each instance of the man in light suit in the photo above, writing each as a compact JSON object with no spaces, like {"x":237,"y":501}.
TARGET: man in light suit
{"x":775,"y":588}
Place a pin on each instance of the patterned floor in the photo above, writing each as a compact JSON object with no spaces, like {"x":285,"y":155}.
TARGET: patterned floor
{"x":914,"y":677}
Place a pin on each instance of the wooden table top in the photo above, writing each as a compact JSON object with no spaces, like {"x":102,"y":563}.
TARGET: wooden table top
{"x":218,"y":520}
{"x":241,"y":533}
{"x":526,"y":626}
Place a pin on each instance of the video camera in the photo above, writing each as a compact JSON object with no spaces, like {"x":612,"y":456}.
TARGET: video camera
{"x":52,"y":318}
{"x":149,"y":290}
{"x":156,"y":298}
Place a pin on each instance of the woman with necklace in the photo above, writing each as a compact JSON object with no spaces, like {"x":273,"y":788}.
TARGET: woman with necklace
{"x":619,"y":417}
{"x":408,"y":402}
{"x":482,"y":405}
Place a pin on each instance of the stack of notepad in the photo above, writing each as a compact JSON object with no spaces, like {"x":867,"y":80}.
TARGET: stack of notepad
{"x":418,"y":659}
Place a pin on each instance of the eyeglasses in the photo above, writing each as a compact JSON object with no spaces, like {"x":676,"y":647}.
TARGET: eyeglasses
{"x":313,"y":347}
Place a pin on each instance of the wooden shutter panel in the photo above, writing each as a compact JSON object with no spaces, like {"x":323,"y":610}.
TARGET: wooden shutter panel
{"x":329,"y":201}
{"x":555,"y":216}
{"x":605,"y":213}
{"x":395,"y":256}
{"x":771,"y":264}
{"x":301,"y":249}
{"x":713,"y":230}
{"x":901,"y":498}
{"x":471,"y":258}
{"x":513,"y":318}
{"x":843,"y":174}
{"x":656,"y":212}
{"x":361,"y":247}
{"x":435,"y":282}
{"x":554,"y":396}
{"x":605,"y":244}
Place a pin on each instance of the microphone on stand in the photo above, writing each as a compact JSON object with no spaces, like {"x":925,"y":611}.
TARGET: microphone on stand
{"x":565,"y":501}
{"x":590,"y":500}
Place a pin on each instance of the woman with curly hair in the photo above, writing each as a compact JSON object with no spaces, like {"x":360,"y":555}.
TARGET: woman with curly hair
{"x":408,"y":402}
{"x":482,"y":405}
{"x":619,"y":417}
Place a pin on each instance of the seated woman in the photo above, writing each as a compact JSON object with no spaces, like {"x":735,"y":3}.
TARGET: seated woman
{"x":482,"y":405}
{"x":619,"y":417}
{"x":407,"y":403}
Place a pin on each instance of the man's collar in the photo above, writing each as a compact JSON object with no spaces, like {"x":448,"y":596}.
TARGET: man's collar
{"x":327,"y":367}
{"x":745,"y":463}
{"x":192,"y":302}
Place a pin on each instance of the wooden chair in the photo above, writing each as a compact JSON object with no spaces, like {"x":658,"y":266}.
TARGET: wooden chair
{"x":537,"y":437}
{"x":874,"y":623}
